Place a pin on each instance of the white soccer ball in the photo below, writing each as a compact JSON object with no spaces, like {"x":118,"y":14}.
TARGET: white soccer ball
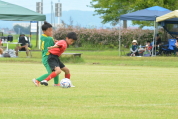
{"x":65,"y":83}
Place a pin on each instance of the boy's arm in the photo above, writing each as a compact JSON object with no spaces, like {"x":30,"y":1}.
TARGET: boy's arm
{"x":55,"y":40}
{"x":55,"y":46}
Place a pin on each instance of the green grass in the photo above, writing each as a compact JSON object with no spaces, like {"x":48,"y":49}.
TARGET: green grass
{"x":107,"y":86}
{"x":102,"y":91}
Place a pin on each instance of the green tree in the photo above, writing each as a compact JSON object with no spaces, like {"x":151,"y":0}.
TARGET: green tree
{"x":110,"y":10}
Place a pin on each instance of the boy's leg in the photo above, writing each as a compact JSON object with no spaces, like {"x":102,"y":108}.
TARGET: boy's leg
{"x":39,"y":79}
{"x":48,"y":69}
{"x":53,"y":63}
{"x":67,"y":74}
{"x":52,"y":75}
{"x":56,"y":80}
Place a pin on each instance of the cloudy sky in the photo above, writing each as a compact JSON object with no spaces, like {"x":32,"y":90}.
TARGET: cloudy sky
{"x":66,"y":4}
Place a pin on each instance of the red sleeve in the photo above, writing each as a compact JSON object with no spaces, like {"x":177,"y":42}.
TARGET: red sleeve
{"x":60,"y":44}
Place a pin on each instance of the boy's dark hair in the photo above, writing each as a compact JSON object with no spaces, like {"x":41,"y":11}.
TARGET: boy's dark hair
{"x":148,"y":41}
{"x":72,"y":35}
{"x":45,"y":26}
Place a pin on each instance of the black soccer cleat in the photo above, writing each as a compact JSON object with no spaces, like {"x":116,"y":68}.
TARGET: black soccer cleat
{"x":44,"y":82}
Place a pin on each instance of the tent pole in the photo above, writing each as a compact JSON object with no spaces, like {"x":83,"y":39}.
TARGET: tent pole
{"x":39,"y":33}
{"x":156,"y":31}
{"x":154,"y":38}
{"x":119,"y":38}
{"x":153,"y":41}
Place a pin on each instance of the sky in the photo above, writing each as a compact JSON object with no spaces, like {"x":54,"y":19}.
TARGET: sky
{"x":66,"y":4}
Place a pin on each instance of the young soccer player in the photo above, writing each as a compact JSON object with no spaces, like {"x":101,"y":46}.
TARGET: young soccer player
{"x":54,"y":61}
{"x":46,"y":41}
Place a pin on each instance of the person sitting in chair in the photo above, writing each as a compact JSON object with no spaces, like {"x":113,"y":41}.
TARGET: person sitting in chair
{"x":148,"y":49}
{"x":23,"y":46}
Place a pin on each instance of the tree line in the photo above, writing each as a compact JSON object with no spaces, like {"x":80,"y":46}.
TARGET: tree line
{"x":110,"y":10}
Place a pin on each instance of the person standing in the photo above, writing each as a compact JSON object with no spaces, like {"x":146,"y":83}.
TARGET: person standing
{"x":46,"y":41}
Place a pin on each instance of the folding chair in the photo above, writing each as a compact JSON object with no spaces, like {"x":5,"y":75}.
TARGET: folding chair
{"x":170,"y":47}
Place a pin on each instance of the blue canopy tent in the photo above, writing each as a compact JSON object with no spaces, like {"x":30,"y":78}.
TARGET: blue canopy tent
{"x":148,"y":14}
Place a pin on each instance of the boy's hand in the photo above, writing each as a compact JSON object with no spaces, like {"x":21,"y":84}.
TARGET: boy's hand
{"x":49,"y":48}
{"x":55,"y":46}
{"x":55,"y":40}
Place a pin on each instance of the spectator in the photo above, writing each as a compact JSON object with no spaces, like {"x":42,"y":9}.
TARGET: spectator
{"x":158,"y":45}
{"x":148,"y":49}
{"x":141,"y":50}
{"x":23,"y":46}
{"x":134,"y":48}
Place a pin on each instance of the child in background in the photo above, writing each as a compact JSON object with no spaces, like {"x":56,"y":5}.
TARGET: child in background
{"x":53,"y":60}
{"x":134,"y":48}
{"x":46,"y":41}
{"x":148,"y":49}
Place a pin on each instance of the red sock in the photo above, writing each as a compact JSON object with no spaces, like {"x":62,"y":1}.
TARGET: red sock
{"x":67,"y":76}
{"x":52,"y":75}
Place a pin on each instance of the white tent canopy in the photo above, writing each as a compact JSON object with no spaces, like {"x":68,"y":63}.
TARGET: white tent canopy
{"x":173,"y":14}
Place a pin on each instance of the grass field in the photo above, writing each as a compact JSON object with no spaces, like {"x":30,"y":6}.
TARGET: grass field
{"x":102,"y":91}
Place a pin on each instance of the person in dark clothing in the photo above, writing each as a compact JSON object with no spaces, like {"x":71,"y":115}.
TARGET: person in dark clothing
{"x":23,"y":46}
{"x":158,"y":45}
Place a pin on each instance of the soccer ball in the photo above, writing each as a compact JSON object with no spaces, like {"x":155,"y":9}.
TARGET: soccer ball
{"x":65,"y":83}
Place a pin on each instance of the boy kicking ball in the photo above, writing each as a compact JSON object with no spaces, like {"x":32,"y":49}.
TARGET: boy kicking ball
{"x":53,"y":59}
